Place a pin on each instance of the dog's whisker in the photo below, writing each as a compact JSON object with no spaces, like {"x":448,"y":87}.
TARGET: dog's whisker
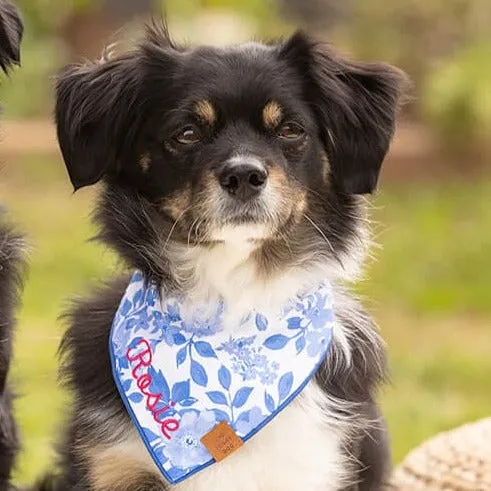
{"x":174,"y":225}
{"x":190,"y":231}
{"x":328,"y":242}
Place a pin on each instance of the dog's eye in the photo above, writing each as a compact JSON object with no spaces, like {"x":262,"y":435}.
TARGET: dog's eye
{"x":291,"y":131}
{"x":189,"y":135}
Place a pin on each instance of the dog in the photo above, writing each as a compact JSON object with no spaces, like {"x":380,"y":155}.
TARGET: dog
{"x":236,"y":174}
{"x":12,"y":265}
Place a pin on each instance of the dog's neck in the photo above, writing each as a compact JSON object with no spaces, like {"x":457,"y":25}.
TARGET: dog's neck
{"x":235,"y":272}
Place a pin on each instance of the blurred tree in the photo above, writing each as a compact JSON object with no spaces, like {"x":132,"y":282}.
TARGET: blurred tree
{"x":412,"y":33}
{"x":263,"y":13}
{"x":317,"y":14}
{"x":43,"y":17}
{"x":457,"y":100}
{"x":89,"y":27}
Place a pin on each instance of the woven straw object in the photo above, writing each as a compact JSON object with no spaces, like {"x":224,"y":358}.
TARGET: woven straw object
{"x":457,"y":460}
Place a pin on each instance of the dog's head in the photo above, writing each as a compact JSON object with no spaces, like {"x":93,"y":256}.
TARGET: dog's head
{"x":269,"y":144}
{"x":11,"y":30}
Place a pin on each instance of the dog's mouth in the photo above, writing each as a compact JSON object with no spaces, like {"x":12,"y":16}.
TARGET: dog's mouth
{"x":215,"y":215}
{"x":251,"y":224}
{"x":256,"y":211}
{"x":254,"y":223}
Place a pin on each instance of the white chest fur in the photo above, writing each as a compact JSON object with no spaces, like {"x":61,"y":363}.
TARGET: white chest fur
{"x":297,"y":450}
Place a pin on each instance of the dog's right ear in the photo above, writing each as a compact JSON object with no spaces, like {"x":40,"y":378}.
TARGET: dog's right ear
{"x":95,"y":116}
{"x":11,"y":30}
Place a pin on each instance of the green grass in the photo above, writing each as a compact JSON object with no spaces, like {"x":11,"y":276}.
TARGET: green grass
{"x":436,"y":248}
{"x":429,"y":291}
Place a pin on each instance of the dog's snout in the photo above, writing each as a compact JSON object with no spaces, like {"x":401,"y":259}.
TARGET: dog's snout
{"x":243,"y":179}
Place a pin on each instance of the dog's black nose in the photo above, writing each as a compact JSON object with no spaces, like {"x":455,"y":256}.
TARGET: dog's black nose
{"x":244,"y":180}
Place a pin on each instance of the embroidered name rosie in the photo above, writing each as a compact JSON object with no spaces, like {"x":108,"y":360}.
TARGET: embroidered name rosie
{"x":140,"y":358}
{"x":182,"y":376}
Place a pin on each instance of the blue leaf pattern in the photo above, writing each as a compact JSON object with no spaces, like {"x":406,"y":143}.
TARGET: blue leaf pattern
{"x":224,"y":377}
{"x":198,"y":374}
{"x":276,"y":342}
{"x":159,"y":383}
{"x":179,"y":339}
{"x":295,"y":323}
{"x":300,"y":344}
{"x":221,"y":415}
{"x":205,"y":349}
{"x":126,"y":307}
{"x":188,"y":402}
{"x":181,"y":355}
{"x":217,"y":397}
{"x":261,"y":322}
{"x":180,"y":391}
{"x":135,"y":397}
{"x":269,"y":402}
{"x":137,"y":297}
{"x":241,"y":397}
{"x":284,"y":385}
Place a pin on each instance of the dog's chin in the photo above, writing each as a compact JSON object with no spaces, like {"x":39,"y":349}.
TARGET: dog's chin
{"x":242,"y":233}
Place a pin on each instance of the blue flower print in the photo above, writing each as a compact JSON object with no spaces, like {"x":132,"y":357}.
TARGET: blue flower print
{"x":171,"y":335}
{"x":202,"y":324}
{"x":121,"y":339}
{"x":248,"y":361}
{"x":248,"y":372}
{"x":267,"y":377}
{"x":201,"y":328}
{"x":151,"y":297}
{"x":233,"y":346}
{"x":253,"y":420}
{"x":185,"y":449}
{"x":172,"y":314}
{"x":317,"y":312}
{"x":317,"y":341}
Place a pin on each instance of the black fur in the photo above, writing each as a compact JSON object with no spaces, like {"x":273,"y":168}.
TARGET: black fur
{"x":11,"y":31}
{"x":359,"y":385}
{"x":121,"y":121}
{"x":87,"y":339}
{"x":11,"y":273}
{"x":11,"y":268}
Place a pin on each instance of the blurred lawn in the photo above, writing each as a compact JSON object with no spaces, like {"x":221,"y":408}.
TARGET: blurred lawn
{"x":430,"y":292}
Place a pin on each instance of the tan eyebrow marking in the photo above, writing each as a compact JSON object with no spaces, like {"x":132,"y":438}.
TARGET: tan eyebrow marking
{"x":144,"y":162}
{"x":272,"y":114}
{"x":206,"y":111}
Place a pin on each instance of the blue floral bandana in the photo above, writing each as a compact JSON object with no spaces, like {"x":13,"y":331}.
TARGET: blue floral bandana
{"x":181,"y":375}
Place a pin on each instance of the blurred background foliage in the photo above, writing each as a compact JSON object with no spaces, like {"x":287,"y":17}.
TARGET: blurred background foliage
{"x":429,"y":288}
{"x":443,"y":44}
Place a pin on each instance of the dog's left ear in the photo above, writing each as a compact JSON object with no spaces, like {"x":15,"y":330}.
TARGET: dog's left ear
{"x":355,"y":105}
{"x":11,"y":30}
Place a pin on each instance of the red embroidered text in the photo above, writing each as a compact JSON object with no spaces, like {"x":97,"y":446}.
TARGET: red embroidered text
{"x":140,"y":358}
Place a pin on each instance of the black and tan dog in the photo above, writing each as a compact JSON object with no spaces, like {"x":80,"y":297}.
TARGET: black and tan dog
{"x":11,"y":267}
{"x":235,"y":174}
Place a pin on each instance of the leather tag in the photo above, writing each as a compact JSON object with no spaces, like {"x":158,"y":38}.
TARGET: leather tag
{"x":221,"y":441}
